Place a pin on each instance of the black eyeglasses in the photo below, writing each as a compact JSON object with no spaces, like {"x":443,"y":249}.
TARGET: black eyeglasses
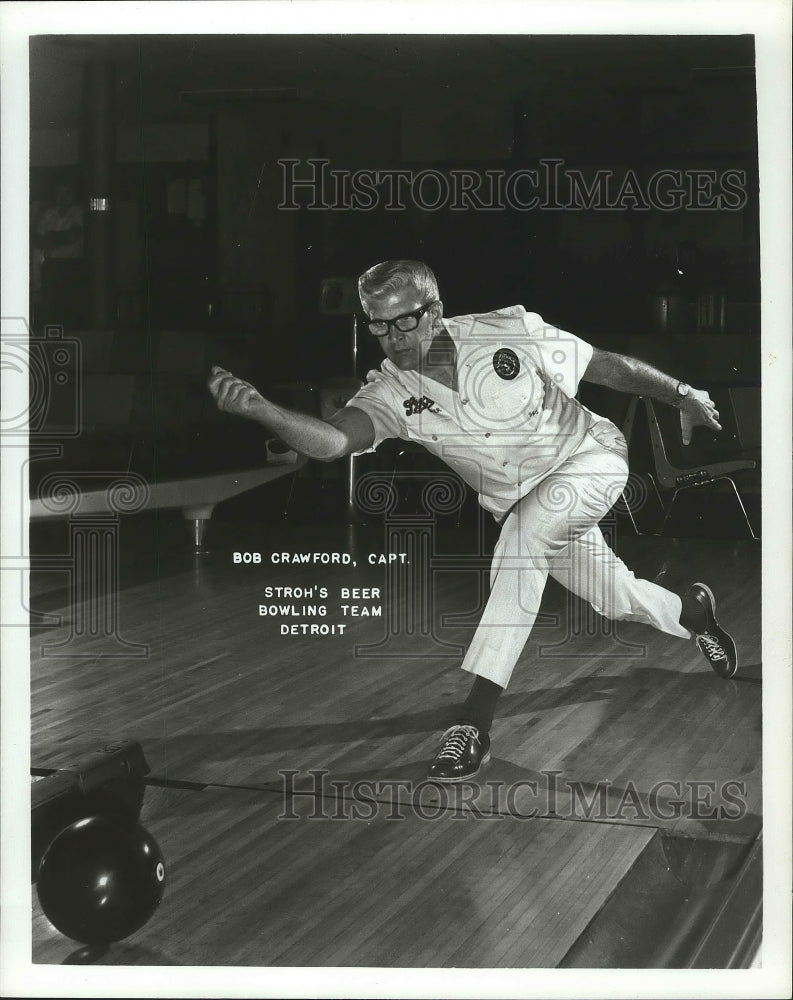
{"x":404,"y":323}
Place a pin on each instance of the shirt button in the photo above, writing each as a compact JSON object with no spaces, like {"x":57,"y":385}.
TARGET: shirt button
{"x":487,"y":434}
{"x":434,"y":437}
{"x":463,"y":401}
{"x":505,"y":464}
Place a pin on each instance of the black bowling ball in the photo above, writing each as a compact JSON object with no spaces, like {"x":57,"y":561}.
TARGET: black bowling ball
{"x":101,"y":879}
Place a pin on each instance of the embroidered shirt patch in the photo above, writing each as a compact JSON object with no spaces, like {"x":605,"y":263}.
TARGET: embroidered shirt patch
{"x":414,"y":406}
{"x":506,"y":363}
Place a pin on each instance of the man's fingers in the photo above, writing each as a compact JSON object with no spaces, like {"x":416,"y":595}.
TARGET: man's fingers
{"x":218,"y":374}
{"x":237,"y":391}
{"x":225,"y":385}
{"x":231,"y":393}
{"x":220,"y":394}
{"x":235,"y":388}
{"x":712,"y":416}
{"x":215,"y":384}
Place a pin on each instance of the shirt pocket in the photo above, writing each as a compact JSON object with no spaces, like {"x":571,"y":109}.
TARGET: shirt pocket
{"x":515,"y":406}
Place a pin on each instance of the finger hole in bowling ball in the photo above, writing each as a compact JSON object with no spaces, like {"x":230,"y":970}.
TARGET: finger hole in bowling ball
{"x":100,"y":880}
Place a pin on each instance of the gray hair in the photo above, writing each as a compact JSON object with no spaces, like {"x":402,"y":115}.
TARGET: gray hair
{"x":394,"y":275}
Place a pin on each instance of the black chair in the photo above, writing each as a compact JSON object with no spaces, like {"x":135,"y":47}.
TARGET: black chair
{"x":674,"y":469}
{"x":623,"y":410}
{"x":626,"y":502}
{"x":411,"y":455}
{"x":746,"y":406}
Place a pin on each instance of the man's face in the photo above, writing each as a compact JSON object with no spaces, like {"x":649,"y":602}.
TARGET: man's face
{"x":406,"y":349}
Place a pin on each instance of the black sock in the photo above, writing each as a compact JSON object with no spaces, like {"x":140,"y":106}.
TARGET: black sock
{"x":480,"y":704}
{"x":692,"y":615}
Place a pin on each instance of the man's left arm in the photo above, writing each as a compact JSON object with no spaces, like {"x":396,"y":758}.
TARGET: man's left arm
{"x":625,"y":374}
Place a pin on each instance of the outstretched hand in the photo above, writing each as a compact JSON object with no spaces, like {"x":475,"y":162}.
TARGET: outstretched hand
{"x":697,"y":410}
{"x":233,"y":395}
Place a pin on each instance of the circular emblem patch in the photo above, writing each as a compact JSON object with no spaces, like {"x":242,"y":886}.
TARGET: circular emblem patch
{"x":506,"y":363}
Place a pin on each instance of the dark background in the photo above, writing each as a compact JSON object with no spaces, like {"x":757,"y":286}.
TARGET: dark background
{"x":212,"y":115}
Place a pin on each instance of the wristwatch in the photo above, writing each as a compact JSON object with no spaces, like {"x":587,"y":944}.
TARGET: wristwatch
{"x":682,"y":391}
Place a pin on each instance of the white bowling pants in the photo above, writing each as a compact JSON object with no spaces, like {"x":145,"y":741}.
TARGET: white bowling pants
{"x":554,"y":530}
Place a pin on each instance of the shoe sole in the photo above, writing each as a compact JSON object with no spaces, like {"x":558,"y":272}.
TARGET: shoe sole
{"x":711,"y":598}
{"x":463,"y":777}
{"x":726,"y":635}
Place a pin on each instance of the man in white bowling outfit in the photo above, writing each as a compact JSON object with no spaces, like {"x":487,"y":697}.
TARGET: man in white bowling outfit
{"x":493,"y":396}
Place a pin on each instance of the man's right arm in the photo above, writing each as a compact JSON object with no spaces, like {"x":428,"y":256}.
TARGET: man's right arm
{"x":348,"y":430}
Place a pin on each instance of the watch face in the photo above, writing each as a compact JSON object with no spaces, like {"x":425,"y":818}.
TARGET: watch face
{"x":682,"y":389}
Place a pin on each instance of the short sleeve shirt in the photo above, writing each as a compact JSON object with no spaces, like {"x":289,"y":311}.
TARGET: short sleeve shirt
{"x":513,"y":419}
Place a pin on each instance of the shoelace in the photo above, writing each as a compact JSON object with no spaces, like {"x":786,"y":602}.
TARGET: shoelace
{"x":455,"y":744}
{"x":712,"y":647}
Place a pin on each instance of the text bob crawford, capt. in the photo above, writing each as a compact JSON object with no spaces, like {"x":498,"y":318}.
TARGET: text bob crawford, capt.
{"x":321,"y":558}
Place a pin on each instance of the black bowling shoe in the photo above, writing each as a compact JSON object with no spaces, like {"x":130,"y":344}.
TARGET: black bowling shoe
{"x":462,"y":752}
{"x":716,"y":645}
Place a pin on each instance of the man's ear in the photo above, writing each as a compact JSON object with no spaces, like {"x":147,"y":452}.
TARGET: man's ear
{"x":437,"y":311}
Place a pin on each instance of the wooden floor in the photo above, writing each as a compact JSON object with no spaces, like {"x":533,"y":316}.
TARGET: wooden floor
{"x":600,"y":732}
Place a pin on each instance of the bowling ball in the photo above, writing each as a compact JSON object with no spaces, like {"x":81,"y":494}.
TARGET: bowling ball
{"x":101,"y":879}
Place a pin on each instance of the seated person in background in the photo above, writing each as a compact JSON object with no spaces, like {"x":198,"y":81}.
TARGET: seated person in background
{"x":493,"y":396}
{"x":58,"y":240}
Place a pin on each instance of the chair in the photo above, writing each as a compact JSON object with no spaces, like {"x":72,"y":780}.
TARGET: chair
{"x":678,"y":477}
{"x":624,"y":502}
{"x":621,"y":410}
{"x":413,"y":454}
{"x":745,"y":401}
{"x":334,"y":393}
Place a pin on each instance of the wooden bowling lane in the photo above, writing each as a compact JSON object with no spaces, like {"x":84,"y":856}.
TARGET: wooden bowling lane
{"x":254,"y":880}
{"x":222,"y":698}
{"x":503,"y":873}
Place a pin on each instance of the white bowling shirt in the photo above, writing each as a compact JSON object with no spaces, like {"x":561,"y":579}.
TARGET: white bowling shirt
{"x":513,"y":419}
